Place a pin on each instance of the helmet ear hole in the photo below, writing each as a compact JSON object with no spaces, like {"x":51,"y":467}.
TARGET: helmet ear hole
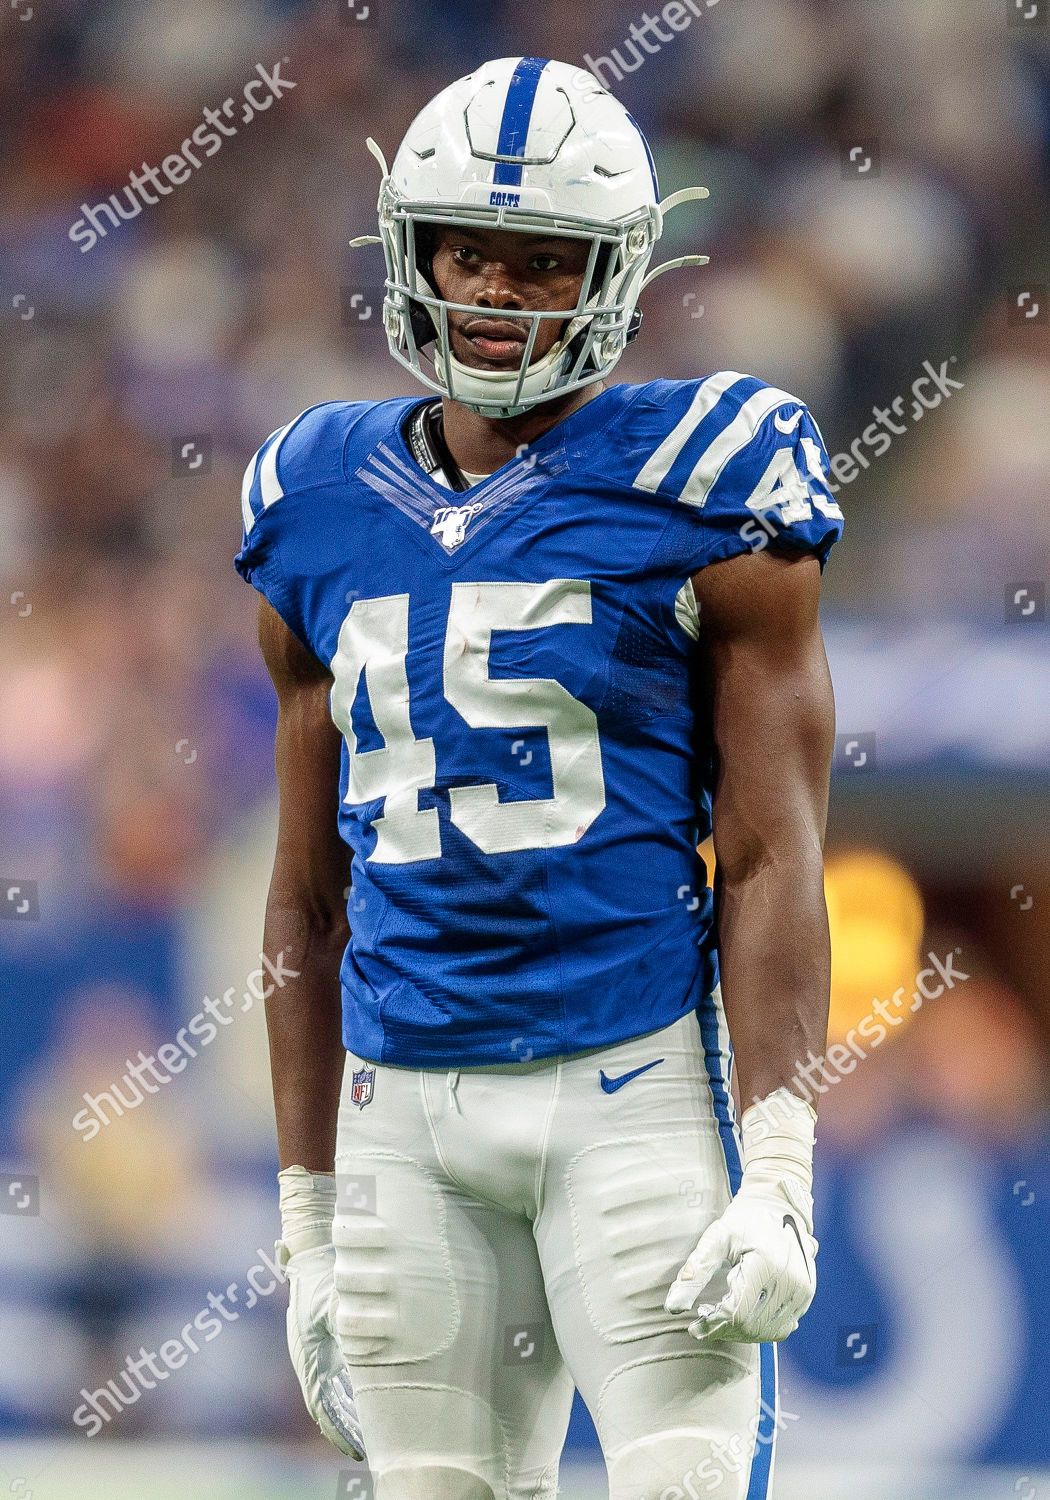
{"x":634,"y":325}
{"x":423,"y":330}
{"x":601,"y":265}
{"x":426,"y":244}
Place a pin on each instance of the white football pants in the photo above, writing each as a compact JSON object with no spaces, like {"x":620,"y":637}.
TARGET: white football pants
{"x":505,"y":1232}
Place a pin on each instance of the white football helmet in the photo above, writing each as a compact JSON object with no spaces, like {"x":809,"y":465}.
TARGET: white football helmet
{"x":539,"y":147}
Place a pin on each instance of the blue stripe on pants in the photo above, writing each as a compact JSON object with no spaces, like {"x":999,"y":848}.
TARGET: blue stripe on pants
{"x":718,"y":1077}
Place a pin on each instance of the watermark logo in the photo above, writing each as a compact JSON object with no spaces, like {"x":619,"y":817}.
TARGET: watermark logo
{"x":861,"y":158}
{"x":354,"y":1193}
{"x":355,"y":1484}
{"x":855,"y":753}
{"x":21,"y":901}
{"x":143,"y":1371}
{"x":815,"y":1076}
{"x":358,"y":12}
{"x":1026,"y":602}
{"x":149,"y":1073}
{"x":191,"y":454}
{"x":1030,"y":15}
{"x":928,"y":392}
{"x":693,"y":1195}
{"x":857,"y":1345}
{"x":19,"y":1195}
{"x":645,"y":38}
{"x":523,"y":1342}
{"x":361,"y":304}
{"x":688,"y":895}
{"x":145,"y":184}
{"x":1028,"y":306}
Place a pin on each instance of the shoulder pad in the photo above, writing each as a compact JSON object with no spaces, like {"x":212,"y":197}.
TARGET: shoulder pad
{"x":306,"y":453}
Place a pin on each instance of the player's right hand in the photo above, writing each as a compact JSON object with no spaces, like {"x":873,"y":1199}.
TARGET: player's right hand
{"x":306,"y":1254}
{"x":319,"y":1364}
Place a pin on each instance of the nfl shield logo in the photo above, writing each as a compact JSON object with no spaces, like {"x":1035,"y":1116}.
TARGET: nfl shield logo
{"x":361,"y":1086}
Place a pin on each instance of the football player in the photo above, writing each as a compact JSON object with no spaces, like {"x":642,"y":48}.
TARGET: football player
{"x":532,"y":634}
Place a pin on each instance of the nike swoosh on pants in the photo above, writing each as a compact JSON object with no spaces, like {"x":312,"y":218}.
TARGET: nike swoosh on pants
{"x":610,"y":1085}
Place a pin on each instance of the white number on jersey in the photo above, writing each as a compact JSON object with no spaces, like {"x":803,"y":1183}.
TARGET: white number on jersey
{"x":373,"y":639}
{"x":783,"y":485}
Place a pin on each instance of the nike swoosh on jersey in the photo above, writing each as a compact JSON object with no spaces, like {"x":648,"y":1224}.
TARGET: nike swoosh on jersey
{"x":610,"y":1085}
{"x":789,"y":424}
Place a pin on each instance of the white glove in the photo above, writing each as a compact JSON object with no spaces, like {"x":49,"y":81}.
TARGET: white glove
{"x":306,"y":1254}
{"x":765,"y":1236}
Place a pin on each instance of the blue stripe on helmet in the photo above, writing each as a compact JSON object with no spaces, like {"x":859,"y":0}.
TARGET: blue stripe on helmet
{"x":648,"y":154}
{"x":517,"y":113}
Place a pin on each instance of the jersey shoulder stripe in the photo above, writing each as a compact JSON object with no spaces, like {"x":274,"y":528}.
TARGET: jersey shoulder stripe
{"x":706,"y":397}
{"x":304,"y":454}
{"x":723,"y":417}
{"x":741,"y":464}
{"x":732,"y":439}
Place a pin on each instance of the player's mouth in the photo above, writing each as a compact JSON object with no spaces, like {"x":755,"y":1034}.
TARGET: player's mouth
{"x":494,"y":339}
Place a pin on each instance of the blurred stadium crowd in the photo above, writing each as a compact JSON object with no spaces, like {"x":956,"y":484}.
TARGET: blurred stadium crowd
{"x":138,"y":376}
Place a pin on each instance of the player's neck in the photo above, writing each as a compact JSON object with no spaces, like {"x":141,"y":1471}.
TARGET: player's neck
{"x":481,"y":445}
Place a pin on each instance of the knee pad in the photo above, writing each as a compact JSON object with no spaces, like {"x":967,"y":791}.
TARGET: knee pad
{"x":682,"y":1462}
{"x":432,"y":1482}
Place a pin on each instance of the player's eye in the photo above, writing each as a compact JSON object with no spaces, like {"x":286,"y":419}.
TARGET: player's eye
{"x":545,"y":262}
{"x":465,"y":255}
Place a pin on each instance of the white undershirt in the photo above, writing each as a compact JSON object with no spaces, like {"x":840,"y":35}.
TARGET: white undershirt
{"x":442,"y":478}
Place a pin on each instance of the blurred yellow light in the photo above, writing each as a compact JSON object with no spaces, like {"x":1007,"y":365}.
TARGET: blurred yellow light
{"x":876,"y":915}
{"x":877,"y":921}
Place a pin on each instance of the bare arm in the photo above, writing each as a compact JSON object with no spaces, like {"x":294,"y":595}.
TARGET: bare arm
{"x":774,"y":725}
{"x":306,"y":906}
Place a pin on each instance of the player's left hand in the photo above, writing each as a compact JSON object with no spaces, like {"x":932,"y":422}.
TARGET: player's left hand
{"x":765,"y":1238}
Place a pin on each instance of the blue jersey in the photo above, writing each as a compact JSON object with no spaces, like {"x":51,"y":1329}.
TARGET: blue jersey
{"x":526,"y":767}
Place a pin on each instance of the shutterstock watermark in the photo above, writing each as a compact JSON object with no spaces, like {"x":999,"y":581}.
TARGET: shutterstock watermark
{"x":817,"y":1075}
{"x":645,"y":39}
{"x":172,"y":1058}
{"x":732,"y":1456}
{"x":216,"y":126}
{"x":929,"y":391}
{"x":146,"y":1369}
{"x":798,"y":493}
